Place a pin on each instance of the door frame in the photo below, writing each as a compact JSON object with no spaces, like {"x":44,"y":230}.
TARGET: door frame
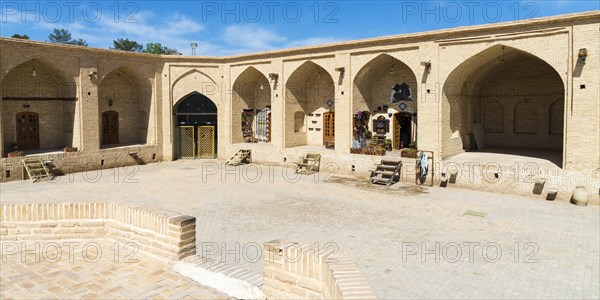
{"x":36,"y":144}
{"x":398,"y":128}
{"x":108,"y":113}
{"x":330,"y":138}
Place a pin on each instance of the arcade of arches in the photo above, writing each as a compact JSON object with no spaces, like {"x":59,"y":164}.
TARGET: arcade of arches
{"x":527,"y":91}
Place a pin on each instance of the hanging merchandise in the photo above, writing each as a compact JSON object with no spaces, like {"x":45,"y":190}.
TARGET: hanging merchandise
{"x":263,"y":124}
{"x":247,"y":121}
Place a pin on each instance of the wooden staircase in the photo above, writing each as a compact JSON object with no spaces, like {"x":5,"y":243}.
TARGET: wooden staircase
{"x":241,"y":157}
{"x":387,"y":172}
{"x":35,"y":169}
{"x":308,"y":163}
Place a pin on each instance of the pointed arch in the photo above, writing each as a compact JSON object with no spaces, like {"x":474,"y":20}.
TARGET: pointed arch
{"x":372,"y":91}
{"x":188,"y":73}
{"x":194,"y":80}
{"x":129,"y":94}
{"x":309,"y":90}
{"x":55,"y":94}
{"x":251,"y":107}
{"x":522,"y":83}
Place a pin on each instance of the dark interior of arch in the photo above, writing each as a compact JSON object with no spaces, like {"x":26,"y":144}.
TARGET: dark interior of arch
{"x":196,"y":109}
{"x":196,"y":103}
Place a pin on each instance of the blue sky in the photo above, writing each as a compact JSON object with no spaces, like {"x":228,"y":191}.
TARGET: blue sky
{"x":233,"y":27}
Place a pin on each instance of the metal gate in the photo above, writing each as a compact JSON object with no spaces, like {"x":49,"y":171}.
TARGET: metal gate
{"x":186,"y":142}
{"x":206,"y":142}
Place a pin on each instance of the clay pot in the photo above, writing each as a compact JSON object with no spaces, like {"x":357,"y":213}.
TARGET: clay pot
{"x":580,"y":196}
{"x":15,"y":154}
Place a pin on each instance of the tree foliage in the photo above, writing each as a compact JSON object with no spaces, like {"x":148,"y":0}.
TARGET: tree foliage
{"x":127,"y":45}
{"x":158,"y":48}
{"x":20,"y":36}
{"x":63,"y":36}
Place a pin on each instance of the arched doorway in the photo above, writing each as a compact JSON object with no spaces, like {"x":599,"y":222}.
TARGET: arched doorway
{"x":384,"y":90}
{"x":310,"y":101}
{"x":403,"y":130}
{"x":506,"y":101}
{"x":195,"y":127}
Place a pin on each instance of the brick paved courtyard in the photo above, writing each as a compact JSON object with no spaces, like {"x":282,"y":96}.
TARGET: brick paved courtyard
{"x":548,"y":249}
{"x":91,"y":269}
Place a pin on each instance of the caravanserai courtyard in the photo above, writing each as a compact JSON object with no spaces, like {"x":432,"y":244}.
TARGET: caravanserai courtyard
{"x":408,"y":241}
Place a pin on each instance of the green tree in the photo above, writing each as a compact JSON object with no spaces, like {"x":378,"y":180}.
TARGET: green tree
{"x":19,"y":36}
{"x":157,"y":48}
{"x":63,"y":36}
{"x":127,"y":45}
{"x":171,"y":51}
{"x":78,"y":42}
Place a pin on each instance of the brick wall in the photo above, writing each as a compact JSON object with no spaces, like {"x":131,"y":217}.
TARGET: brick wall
{"x":297,"y":271}
{"x":166,"y":234}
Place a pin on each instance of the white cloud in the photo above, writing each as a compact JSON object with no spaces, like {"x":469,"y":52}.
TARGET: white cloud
{"x":175,"y":31}
{"x":251,"y":37}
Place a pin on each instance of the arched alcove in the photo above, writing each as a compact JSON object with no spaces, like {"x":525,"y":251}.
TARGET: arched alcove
{"x":251,"y":107}
{"x":523,"y":85}
{"x":39,"y":88}
{"x":129,"y":94}
{"x":309,"y":91}
{"x":376,"y":87}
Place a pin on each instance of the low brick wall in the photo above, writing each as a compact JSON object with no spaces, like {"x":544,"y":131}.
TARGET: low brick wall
{"x":298,"y":271}
{"x":84,"y":161}
{"x":166,"y":234}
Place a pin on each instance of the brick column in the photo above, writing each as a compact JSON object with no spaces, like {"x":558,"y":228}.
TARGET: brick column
{"x":343,"y":105}
{"x":89,"y":116}
{"x":183,"y":229}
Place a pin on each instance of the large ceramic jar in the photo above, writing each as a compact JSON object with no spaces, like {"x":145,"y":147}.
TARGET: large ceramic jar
{"x":580,"y":195}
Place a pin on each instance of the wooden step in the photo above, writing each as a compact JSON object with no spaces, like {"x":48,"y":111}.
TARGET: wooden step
{"x":391,"y":162}
{"x":387,"y":167}
{"x":385,"y":173}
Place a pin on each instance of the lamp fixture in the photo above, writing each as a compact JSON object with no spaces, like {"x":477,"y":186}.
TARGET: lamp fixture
{"x":427,"y":65}
{"x":340,"y":69}
{"x":92,"y":73}
{"x":33,"y":73}
{"x":583,"y":53}
{"x":110,"y":102}
{"x":273,"y":76}
{"x":502,"y":60}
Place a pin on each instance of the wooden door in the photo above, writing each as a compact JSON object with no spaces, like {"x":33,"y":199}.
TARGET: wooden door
{"x":328,"y":128}
{"x":206,"y":142}
{"x":28,"y":130}
{"x":397,"y":131}
{"x":110,"y":127}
